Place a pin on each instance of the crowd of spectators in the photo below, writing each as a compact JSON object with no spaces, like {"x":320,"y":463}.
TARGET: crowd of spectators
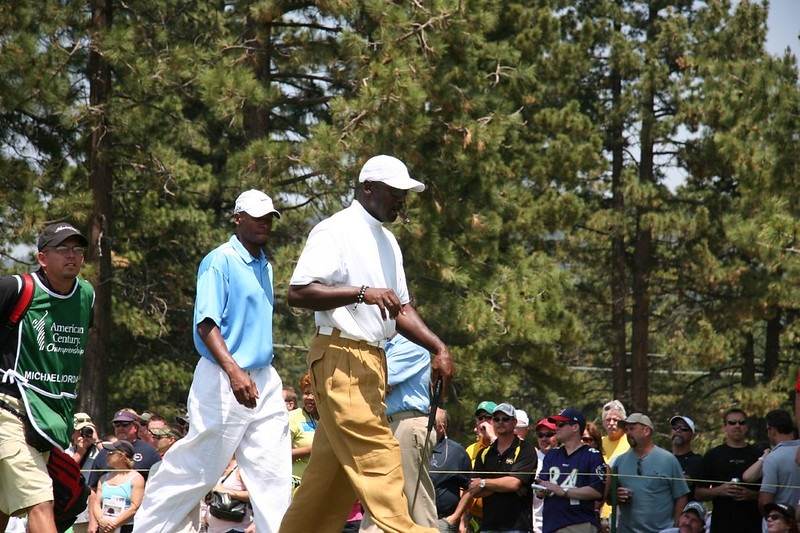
{"x":569,"y":477}
{"x":561,"y":474}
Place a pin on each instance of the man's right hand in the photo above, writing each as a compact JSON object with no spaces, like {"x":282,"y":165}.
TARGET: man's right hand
{"x":486,"y":433}
{"x":243,"y":387}
{"x":731,"y":490}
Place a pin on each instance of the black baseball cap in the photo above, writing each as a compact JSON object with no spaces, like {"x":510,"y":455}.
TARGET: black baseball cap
{"x":55,"y":234}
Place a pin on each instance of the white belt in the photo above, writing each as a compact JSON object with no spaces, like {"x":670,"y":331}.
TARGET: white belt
{"x":329,"y":331}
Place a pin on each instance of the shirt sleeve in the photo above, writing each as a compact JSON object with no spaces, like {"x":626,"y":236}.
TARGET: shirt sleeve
{"x":320,"y":261}
{"x":679,"y":485}
{"x":597,"y":478}
{"x":525,"y":465}
{"x":769,"y":477}
{"x":544,"y":474}
{"x":465,"y":468}
{"x":212,"y":295}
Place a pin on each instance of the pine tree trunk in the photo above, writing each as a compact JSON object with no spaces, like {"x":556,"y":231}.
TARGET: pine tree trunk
{"x":618,"y":262}
{"x":749,"y":361}
{"x":772,"y":347}
{"x":94,"y":389}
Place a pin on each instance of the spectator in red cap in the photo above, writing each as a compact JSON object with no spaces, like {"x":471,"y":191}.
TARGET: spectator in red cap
{"x":546,"y":440}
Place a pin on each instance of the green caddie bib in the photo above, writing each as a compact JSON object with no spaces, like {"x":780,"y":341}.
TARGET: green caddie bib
{"x":51,"y":346}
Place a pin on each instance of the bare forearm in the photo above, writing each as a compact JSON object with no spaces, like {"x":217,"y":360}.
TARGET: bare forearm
{"x":212,"y":337}
{"x":680,"y":503}
{"x":412,"y":327}
{"x":319,"y":297}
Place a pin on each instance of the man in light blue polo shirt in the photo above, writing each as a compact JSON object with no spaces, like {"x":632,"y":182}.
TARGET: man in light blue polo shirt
{"x":235,"y":403}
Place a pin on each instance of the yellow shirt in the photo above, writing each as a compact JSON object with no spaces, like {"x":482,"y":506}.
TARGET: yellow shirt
{"x":476,"y":508}
{"x":611,"y":449}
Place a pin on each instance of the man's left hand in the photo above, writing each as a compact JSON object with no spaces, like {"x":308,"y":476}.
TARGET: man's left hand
{"x":442,"y":366}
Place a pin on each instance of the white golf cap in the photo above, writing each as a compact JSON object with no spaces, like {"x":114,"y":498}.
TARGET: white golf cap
{"x":255,"y":203}
{"x":391,"y":171}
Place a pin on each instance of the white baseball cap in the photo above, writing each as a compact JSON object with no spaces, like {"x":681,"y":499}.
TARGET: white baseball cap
{"x":255,"y":203}
{"x":522,"y":419}
{"x":391,"y":171}
{"x":686,"y":419}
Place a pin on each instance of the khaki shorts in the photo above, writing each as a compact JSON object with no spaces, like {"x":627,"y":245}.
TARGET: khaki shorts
{"x":24,"y":481}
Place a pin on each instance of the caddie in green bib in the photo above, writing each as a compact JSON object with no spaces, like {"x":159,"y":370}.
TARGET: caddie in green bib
{"x":52,"y":343}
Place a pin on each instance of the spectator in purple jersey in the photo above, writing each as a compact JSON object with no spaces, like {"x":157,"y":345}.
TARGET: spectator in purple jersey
{"x":573,"y":477}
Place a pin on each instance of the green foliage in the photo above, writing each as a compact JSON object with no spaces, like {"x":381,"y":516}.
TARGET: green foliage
{"x":507,"y":111}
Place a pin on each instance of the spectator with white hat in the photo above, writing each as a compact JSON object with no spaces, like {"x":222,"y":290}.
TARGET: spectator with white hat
{"x":521,"y":430}
{"x":682,"y":433}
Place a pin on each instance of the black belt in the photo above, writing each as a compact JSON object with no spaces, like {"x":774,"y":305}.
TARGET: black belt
{"x":10,"y":388}
{"x":7,"y":407}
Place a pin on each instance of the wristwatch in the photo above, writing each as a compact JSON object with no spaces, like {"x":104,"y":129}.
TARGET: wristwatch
{"x":566,"y":492}
{"x":482,"y":484}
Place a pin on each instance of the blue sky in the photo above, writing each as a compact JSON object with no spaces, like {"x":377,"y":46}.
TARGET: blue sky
{"x":783,"y":26}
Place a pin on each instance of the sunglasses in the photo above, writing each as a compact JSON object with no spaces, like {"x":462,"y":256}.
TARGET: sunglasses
{"x":562,"y":424}
{"x":63,"y":250}
{"x":484,"y":417}
{"x":773,"y":516}
{"x":587,"y":440}
{"x":548,"y":435}
{"x":121,"y":424}
{"x":736,"y":422}
{"x":639,"y":466}
{"x":159,"y":437}
{"x":681,"y":428}
{"x":501,"y":419}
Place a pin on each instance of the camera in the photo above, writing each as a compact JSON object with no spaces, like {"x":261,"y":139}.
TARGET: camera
{"x":86,"y":432}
